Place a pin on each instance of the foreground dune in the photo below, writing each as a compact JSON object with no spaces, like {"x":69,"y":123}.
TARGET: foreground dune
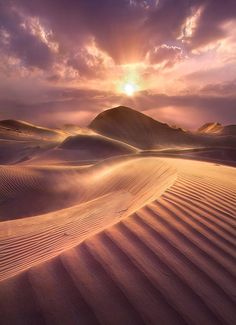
{"x":82,"y":148}
{"x":170,"y":260}
{"x":28,"y":190}
{"x":112,"y":190}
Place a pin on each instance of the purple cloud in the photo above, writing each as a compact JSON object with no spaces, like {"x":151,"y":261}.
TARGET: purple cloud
{"x":52,"y":37}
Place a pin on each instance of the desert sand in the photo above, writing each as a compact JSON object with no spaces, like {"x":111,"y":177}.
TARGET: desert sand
{"x":96,"y":229}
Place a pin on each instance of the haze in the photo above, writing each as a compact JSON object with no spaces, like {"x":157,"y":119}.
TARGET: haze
{"x":65,"y":61}
{"x":117,"y":162}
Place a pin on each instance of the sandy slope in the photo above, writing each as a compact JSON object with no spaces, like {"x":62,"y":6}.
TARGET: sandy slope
{"x":139,"y":130}
{"x":20,"y":129}
{"x":171,"y":261}
{"x":25,"y":143}
{"x":217,"y":128}
{"x":16,"y":151}
{"x":81,"y":148}
{"x":112,"y":190}
{"x":28,"y":190}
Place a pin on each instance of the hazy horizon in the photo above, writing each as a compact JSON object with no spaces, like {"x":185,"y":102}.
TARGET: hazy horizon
{"x":52,"y":125}
{"x":65,"y":62}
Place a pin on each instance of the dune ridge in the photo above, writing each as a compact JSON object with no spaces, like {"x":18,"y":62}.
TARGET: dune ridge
{"x":117,"y":194}
{"x":96,"y":229}
{"x":171,"y":261}
{"x":26,"y":129}
{"x":38,"y":190}
{"x":81,"y":148}
{"x":135,"y":128}
{"x":218,"y":129}
{"x":139,"y":130}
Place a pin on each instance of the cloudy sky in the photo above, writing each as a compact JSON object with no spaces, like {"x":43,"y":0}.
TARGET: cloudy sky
{"x":64,"y":61}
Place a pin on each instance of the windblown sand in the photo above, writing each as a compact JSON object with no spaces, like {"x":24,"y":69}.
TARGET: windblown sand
{"x":138,"y":240}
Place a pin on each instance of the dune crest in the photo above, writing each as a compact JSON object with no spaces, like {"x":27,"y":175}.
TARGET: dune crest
{"x":97,"y":229}
{"x":22,"y":128}
{"x":139,"y":130}
{"x":217,"y":128}
{"x":172,"y":261}
{"x":111,"y":192}
{"x":125,"y":124}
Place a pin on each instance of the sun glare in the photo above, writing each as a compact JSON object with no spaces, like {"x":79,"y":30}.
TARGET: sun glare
{"x":129,"y":82}
{"x":130,"y":89}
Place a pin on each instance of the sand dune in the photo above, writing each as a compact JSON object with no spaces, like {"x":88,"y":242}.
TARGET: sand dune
{"x":22,"y":141}
{"x":96,"y":231}
{"x":14,"y":152}
{"x":112,"y":192}
{"x":170,"y":260}
{"x":96,"y":143}
{"x":29,"y":191}
{"x":143,"y":132}
{"x":217,"y":128}
{"x":213,"y":127}
{"x":85,"y":146}
{"x":229,"y":130}
{"x":81,"y":148}
{"x":139,"y":130}
{"x":21,"y":129}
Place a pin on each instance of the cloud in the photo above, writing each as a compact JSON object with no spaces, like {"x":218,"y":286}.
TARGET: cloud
{"x":167,"y":54}
{"x":59,"y":58}
{"x":210,"y":26}
{"x":80,"y":106}
{"x":224,"y":89}
{"x":124,"y":30}
{"x":19,"y":41}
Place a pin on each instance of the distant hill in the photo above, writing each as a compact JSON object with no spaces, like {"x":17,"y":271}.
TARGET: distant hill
{"x":11,"y":128}
{"x":217,"y":128}
{"x":211,"y":128}
{"x":229,"y":130}
{"x":127,"y":125}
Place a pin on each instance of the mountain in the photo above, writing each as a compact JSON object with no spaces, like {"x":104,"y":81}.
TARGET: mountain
{"x":135,"y":128}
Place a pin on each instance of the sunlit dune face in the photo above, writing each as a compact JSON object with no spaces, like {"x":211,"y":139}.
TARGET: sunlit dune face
{"x":129,"y":89}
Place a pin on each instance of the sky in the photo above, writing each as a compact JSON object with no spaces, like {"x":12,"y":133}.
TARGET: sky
{"x":65,"y":61}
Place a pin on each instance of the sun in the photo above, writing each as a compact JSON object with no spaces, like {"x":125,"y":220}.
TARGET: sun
{"x":129,"y":89}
